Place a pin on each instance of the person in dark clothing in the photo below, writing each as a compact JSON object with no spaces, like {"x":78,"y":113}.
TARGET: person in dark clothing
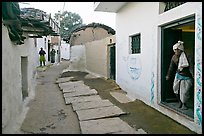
{"x":52,"y":55}
{"x":42,"y":56}
{"x":183,"y":80}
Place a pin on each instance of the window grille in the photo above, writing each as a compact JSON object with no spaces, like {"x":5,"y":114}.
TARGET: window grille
{"x":135,"y":44}
{"x":171,"y":5}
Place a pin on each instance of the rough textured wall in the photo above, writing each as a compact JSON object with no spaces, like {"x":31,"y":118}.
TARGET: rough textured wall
{"x":88,"y":35}
{"x":134,"y":71}
{"x":78,"y":59}
{"x":13,"y":106}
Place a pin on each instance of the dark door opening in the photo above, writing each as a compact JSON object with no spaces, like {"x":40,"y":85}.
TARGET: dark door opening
{"x":48,"y":50}
{"x":112,"y":62}
{"x":183,"y":30}
{"x":170,"y":37}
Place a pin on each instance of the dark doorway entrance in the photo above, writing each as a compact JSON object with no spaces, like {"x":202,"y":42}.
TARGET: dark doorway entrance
{"x":49,"y":50}
{"x":112,"y":61}
{"x":183,"y":30}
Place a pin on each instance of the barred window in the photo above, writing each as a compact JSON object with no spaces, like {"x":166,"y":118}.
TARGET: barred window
{"x":135,"y":44}
{"x":171,"y":5}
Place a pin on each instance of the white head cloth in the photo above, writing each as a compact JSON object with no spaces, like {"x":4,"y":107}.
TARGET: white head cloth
{"x":179,"y":45}
{"x":183,"y":62}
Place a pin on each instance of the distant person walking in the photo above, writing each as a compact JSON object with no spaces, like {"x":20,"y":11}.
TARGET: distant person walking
{"x":52,"y":55}
{"x":42,"y":56}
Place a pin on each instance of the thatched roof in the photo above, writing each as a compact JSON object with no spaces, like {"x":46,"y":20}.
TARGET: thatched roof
{"x":83,"y":27}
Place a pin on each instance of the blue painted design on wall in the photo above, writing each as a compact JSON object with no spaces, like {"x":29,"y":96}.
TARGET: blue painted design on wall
{"x":199,"y":115}
{"x":199,"y":31}
{"x":134,"y":67}
{"x":152,"y":88}
{"x":198,"y":95}
{"x":198,"y":79}
{"x":198,"y":75}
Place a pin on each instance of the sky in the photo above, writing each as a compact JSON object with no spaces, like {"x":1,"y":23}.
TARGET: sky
{"x":84,"y":9}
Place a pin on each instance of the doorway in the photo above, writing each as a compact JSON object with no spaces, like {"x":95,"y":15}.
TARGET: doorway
{"x":48,"y":50}
{"x":183,"y":30}
{"x":112,"y":61}
{"x":24,"y":76}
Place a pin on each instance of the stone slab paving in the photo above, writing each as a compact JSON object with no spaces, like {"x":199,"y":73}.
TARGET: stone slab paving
{"x":80,"y":93}
{"x":69,"y":100}
{"x":75,"y":88}
{"x":101,"y":112}
{"x":63,"y":79}
{"x":70,"y":84}
{"x":93,"y":112}
{"x":91,"y":104}
{"x":106,"y":126}
{"x":121,"y":97}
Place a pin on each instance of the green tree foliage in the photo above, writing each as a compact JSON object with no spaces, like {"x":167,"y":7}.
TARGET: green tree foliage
{"x":68,"y":21}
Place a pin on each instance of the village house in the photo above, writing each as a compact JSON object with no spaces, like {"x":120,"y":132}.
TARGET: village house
{"x":92,"y":49}
{"x":145,"y":35}
{"x":21,"y":30}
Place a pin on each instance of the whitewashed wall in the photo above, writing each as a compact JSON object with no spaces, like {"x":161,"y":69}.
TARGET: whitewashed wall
{"x":144,"y":81}
{"x":78,"y":58}
{"x":13,"y":106}
{"x":135,"y":18}
{"x":65,"y":50}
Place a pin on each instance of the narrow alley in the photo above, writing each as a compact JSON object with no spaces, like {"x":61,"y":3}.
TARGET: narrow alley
{"x":63,"y":73}
{"x":54,"y":111}
{"x":48,"y":112}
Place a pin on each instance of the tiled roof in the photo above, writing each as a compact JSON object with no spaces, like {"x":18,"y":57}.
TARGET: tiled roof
{"x":35,"y":22}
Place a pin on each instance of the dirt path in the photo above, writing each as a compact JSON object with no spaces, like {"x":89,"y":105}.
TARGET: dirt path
{"x":140,"y":115}
{"x":48,"y":113}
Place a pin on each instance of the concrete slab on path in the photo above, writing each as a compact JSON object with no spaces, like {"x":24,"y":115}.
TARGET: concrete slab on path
{"x":63,"y":79}
{"x":106,"y":126}
{"x":69,"y":100}
{"x":101,"y":112}
{"x":91,"y":104}
{"x":121,"y":97}
{"x":69,"y":89}
{"x":80,"y":93}
{"x":70,"y":84}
